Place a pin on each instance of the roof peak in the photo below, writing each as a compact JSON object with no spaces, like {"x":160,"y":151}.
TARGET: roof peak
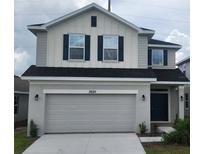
{"x":86,"y":8}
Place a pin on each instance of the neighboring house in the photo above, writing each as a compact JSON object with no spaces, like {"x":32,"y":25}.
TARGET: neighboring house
{"x":97,"y":72}
{"x":184,"y":66}
{"x":21,"y":95}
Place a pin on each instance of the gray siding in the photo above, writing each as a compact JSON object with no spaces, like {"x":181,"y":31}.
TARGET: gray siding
{"x":142,"y":51}
{"x":23,"y":108}
{"x":171,"y":61}
{"x":41,"y":49}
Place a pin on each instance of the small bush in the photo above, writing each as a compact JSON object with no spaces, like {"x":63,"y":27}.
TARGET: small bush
{"x":33,"y":129}
{"x":182,"y":133}
{"x":143,"y":128}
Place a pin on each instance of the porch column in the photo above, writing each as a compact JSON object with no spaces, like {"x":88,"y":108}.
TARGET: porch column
{"x":181,"y":102}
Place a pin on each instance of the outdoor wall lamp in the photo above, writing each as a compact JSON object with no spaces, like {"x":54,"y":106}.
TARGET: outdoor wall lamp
{"x":182,"y":98}
{"x":143,"y":97}
{"x":36,"y":97}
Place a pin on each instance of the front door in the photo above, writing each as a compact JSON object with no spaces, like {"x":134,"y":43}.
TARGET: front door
{"x":159,"y":107}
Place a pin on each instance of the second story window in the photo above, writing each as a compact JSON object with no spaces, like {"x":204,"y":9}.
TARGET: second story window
{"x":157,"y":57}
{"x":76,"y":47}
{"x":110,"y":48}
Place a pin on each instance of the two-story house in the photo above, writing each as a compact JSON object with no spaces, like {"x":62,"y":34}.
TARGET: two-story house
{"x":97,"y":72}
{"x":184,"y":66}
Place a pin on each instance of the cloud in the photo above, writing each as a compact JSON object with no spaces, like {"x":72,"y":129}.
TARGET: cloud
{"x":178,"y":37}
{"x":21,"y":60}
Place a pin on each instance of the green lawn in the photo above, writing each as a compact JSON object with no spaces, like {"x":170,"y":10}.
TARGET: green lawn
{"x":21,"y":141}
{"x":166,"y":149}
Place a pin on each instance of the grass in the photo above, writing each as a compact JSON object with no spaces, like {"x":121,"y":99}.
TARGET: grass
{"x":21,"y":141}
{"x":166,"y":149}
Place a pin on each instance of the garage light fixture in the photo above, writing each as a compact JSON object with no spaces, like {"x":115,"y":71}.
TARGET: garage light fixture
{"x":36,"y":97}
{"x":143,"y":97}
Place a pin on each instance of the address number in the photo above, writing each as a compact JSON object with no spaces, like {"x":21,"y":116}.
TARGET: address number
{"x":92,"y":91}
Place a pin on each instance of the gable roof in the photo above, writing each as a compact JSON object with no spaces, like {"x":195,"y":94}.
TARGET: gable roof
{"x":44,"y":26}
{"x":161,"y":44}
{"x":57,"y":72}
{"x":186,"y":60}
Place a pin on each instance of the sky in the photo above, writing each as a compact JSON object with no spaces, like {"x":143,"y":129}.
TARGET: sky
{"x":169,"y":18}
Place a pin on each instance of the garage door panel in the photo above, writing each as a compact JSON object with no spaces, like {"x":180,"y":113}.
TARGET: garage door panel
{"x":90,"y":113}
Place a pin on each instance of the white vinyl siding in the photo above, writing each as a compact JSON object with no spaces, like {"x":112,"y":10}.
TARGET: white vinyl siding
{"x":142,"y":51}
{"x":41,"y":49}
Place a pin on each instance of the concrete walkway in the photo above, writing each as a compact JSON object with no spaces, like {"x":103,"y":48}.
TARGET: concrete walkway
{"x":106,"y":143}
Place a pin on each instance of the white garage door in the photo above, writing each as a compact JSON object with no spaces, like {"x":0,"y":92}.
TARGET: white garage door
{"x":90,"y":113}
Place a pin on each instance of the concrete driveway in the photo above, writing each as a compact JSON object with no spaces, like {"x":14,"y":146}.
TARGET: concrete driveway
{"x":106,"y":143}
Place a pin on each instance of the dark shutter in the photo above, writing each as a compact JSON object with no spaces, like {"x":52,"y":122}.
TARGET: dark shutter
{"x":121,"y":48}
{"x":87,"y":47}
{"x":65,"y":46}
{"x":165,"y":58}
{"x":93,"y":21}
{"x":100,"y":48}
{"x":149,"y":57}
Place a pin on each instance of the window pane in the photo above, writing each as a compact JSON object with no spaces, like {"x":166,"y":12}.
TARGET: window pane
{"x":110,"y":42}
{"x":76,"y":53}
{"x":110,"y":54}
{"x":77,"y":40}
{"x":157,"y":57}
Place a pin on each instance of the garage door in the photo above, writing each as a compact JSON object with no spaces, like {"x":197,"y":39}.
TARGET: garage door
{"x":90,"y":113}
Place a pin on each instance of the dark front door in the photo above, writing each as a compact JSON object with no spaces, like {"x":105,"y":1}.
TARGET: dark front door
{"x":159,"y":107}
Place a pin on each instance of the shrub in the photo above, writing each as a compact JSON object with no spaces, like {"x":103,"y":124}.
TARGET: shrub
{"x":182,"y":133}
{"x":143,"y":128}
{"x":33,"y":129}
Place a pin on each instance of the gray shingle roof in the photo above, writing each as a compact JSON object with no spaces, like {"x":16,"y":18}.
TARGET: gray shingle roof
{"x":159,"y":42}
{"x":160,"y":74}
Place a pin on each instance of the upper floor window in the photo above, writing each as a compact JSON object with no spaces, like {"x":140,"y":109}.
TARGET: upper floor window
{"x":110,"y":48}
{"x":93,"y":21}
{"x":76,"y":46}
{"x":157,"y":57}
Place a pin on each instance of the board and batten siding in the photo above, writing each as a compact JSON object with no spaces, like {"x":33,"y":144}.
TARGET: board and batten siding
{"x":82,"y":24}
{"x":142,"y":51}
{"x":41,"y":49}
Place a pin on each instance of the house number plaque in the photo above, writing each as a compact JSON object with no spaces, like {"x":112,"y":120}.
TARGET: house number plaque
{"x":92,"y":91}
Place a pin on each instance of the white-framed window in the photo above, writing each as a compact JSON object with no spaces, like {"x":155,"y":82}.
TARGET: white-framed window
{"x":157,"y":57}
{"x":16,"y":105}
{"x":76,"y":47}
{"x":110,"y":48}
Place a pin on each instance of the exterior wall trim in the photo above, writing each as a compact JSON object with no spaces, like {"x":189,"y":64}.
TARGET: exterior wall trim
{"x":93,"y":91}
{"x":87,"y":79}
{"x":164,"y":46}
{"x":171,"y":82}
{"x":21,"y":92}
